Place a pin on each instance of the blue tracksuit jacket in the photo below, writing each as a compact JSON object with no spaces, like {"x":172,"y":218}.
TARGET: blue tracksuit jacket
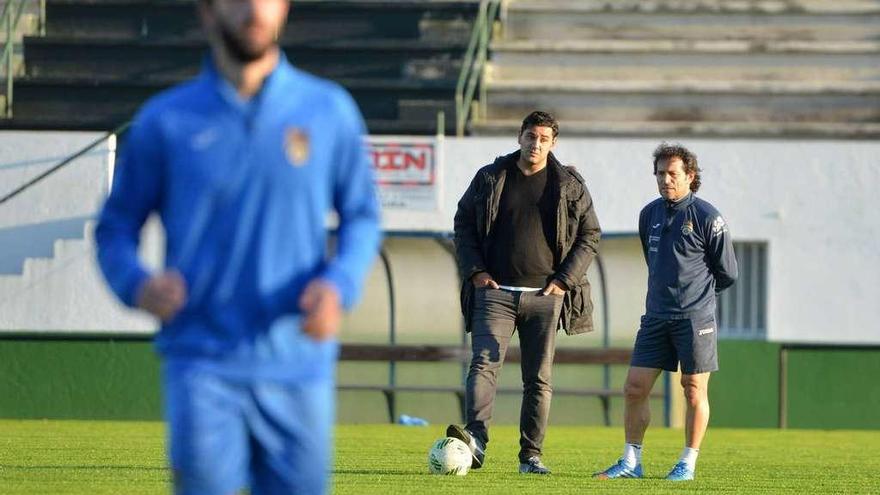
{"x":243,"y":190}
{"x":690,"y":257}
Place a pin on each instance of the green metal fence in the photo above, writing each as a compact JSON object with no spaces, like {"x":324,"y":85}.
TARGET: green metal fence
{"x":472,"y":66}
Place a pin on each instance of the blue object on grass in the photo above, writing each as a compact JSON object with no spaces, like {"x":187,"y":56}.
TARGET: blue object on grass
{"x":407,"y":420}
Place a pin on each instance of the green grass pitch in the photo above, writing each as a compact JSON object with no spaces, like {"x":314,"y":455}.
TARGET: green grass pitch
{"x":66,"y":457}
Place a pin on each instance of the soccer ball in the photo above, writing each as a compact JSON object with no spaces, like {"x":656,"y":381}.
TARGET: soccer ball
{"x":449,"y":456}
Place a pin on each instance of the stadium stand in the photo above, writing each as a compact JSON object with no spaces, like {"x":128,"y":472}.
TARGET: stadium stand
{"x":98,"y":61}
{"x":687,"y":67}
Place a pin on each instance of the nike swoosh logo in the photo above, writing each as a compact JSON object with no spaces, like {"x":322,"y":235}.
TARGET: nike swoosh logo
{"x":655,"y":226}
{"x":204,"y":139}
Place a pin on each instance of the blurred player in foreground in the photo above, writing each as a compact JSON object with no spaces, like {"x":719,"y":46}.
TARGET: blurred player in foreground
{"x":242,"y":164}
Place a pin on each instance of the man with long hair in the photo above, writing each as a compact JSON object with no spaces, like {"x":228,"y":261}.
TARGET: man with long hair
{"x":690,"y":258}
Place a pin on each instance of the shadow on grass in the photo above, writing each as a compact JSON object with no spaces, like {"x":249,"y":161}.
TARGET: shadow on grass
{"x":92,"y":467}
{"x":368,"y":472}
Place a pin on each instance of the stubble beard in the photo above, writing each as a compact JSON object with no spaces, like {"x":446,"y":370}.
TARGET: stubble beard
{"x":238,"y":49}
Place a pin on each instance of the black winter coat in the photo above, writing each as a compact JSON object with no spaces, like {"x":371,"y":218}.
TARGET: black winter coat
{"x":577,"y":236}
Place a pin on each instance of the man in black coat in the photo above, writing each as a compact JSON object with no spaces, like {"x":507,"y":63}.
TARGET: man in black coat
{"x":525,"y":234}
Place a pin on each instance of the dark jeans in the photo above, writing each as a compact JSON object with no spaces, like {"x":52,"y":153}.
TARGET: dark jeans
{"x":497,"y":314}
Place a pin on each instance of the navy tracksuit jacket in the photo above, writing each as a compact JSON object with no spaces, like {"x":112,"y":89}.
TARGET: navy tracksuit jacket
{"x":690,"y":257}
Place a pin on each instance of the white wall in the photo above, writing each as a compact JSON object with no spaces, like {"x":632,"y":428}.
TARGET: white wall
{"x":74,"y":191}
{"x":812,"y":201}
{"x":49,"y":280}
{"x":57,"y":207}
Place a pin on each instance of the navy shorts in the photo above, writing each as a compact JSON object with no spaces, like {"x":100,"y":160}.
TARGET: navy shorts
{"x":663,"y":344}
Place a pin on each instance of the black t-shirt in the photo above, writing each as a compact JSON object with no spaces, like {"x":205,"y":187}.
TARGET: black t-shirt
{"x":521,"y":240}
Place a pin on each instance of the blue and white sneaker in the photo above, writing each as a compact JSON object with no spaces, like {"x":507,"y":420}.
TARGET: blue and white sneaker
{"x":620,"y":470}
{"x":680,"y":472}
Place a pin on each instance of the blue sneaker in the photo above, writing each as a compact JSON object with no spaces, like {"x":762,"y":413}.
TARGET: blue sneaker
{"x":680,"y":472}
{"x":620,"y":470}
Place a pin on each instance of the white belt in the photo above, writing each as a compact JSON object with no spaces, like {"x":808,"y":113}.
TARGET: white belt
{"x":519,"y":289}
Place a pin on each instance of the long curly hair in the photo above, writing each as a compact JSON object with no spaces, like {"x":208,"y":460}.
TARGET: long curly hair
{"x":668,"y":151}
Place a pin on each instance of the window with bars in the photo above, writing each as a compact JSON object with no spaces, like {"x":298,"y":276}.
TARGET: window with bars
{"x":742,"y":309}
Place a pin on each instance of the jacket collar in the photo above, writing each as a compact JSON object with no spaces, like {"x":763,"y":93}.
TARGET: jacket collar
{"x":566,"y":183}
{"x":271,"y":85}
{"x":680,"y":204}
{"x":502,"y":162}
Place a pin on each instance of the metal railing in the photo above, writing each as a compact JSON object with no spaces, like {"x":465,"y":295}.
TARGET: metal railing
{"x":10,"y":17}
{"x":472,"y":66}
{"x":30,"y":183}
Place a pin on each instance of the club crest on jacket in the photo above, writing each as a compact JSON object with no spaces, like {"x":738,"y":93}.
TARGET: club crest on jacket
{"x":296,"y":146}
{"x":687,"y":228}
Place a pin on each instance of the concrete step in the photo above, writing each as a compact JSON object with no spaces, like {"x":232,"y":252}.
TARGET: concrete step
{"x":426,"y":109}
{"x":73,"y":57}
{"x":753,"y":7}
{"x":35,"y":269}
{"x":74,"y":284}
{"x":28,"y":24}
{"x":104,"y":103}
{"x":20,"y":242}
{"x":696,"y":59}
{"x":401,"y":127}
{"x":310,"y":19}
{"x":692,"y":86}
{"x":18,"y":65}
{"x":64,"y":250}
{"x":696,"y":26}
{"x":433,"y":27}
{"x":47,"y":103}
{"x":9,"y":286}
{"x":687,"y":101}
{"x":697,"y":19}
{"x":58,"y":121}
{"x":681,"y":129}
{"x":70,"y":282}
{"x":675,"y":67}
{"x":89,"y":232}
{"x":702,"y":46}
